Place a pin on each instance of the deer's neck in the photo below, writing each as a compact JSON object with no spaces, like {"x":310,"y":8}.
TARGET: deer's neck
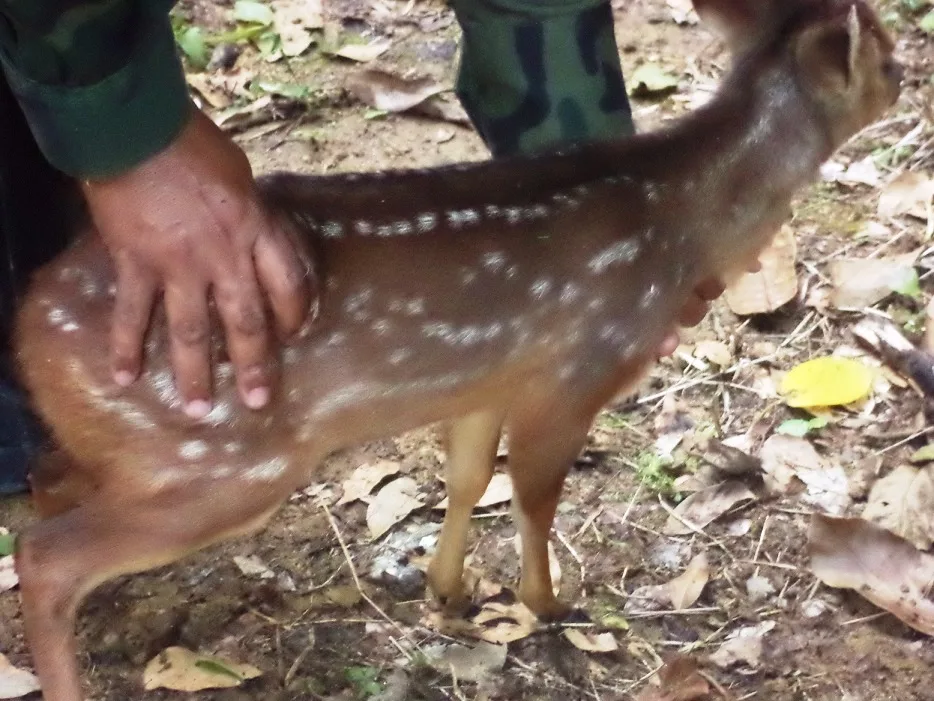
{"x":726,"y":174}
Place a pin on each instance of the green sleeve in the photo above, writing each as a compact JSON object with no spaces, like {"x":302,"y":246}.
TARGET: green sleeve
{"x":99,"y":81}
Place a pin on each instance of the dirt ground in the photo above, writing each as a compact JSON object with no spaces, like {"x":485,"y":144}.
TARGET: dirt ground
{"x":313,"y":637}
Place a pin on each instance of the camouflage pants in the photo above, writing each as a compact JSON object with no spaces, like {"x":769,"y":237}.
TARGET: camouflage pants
{"x":536,"y":73}
{"x":30,"y":232}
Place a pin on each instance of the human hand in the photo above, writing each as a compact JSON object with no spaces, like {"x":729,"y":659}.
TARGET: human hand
{"x":188,"y":223}
{"x":695,"y":309}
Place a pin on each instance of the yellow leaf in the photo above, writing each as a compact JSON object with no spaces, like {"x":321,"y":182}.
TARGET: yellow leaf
{"x":826,"y":382}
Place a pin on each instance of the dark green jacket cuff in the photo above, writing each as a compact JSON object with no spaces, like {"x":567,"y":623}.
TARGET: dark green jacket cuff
{"x":103,"y":129}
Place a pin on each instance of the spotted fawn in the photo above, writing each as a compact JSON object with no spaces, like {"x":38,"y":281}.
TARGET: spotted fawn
{"x":520,"y":294}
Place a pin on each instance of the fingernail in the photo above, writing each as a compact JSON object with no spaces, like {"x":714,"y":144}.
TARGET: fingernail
{"x":257,"y":397}
{"x":124,"y":378}
{"x":198,"y":408}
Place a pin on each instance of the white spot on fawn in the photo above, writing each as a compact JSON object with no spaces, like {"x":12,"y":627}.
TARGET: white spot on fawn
{"x":192,"y":450}
{"x":336,"y":339}
{"x":57,"y":316}
{"x":338,"y":399}
{"x":458,"y":218}
{"x":624,"y":251}
{"x":356,"y":303}
{"x":538,"y":211}
{"x":650,"y":295}
{"x":563,"y":200}
{"x":332,"y":230}
{"x":415,"y":307}
{"x":493,"y":261}
{"x":363,"y":227}
{"x":596,"y":304}
{"x":569,"y":293}
{"x":540,"y":288}
{"x":426,"y":222}
{"x":402,"y":227}
{"x":461,"y":336}
{"x":399,"y":356}
{"x":268,"y":470}
{"x":164,"y":385}
{"x":219,"y":414}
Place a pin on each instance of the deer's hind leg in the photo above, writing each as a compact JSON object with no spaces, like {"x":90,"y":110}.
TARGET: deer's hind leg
{"x":471,"y":444}
{"x":56,"y":485}
{"x":61,"y":559}
{"x":547,"y":430}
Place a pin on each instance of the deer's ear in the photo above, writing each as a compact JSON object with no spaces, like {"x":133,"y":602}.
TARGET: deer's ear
{"x":828,"y":54}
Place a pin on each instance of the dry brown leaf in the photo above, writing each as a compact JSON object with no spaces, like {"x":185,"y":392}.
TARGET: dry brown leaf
{"x":293,"y":20}
{"x":239,"y":114}
{"x":789,"y":462}
{"x":504,"y":623}
{"x":437,"y":107}
{"x":678,"y":680}
{"x":743,"y":646}
{"x":471,"y":664}
{"x":759,"y":588}
{"x":391,"y":504}
{"x":344,"y":595}
{"x":717,"y":352}
{"x":498,"y":491}
{"x":686,"y":588}
{"x":496,"y":623}
{"x":671,"y":425}
{"x":903,"y":502}
{"x":389,"y":92}
{"x":682,"y":11}
{"x":204,"y":83}
{"x":909,"y":193}
{"x":478,"y":587}
{"x":363,"y":53}
{"x":15,"y":682}
{"x":852,"y":553}
{"x":861,"y":282}
{"x":252,"y":566}
{"x":362,"y":481}
{"x":774,"y":285}
{"x":862,"y":172}
{"x":927,"y":342}
{"x":183,"y":670}
{"x":647,"y":599}
{"x":705,"y":506}
{"x":591,"y":642}
{"x":900,"y":354}
{"x":8,"y":576}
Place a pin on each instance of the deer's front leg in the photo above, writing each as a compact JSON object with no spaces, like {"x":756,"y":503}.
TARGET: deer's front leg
{"x":471,"y":443}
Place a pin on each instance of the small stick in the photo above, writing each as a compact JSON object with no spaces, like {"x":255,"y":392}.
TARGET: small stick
{"x":356,"y":580}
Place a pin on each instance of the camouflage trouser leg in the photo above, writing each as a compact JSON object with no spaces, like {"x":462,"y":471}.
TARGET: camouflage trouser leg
{"x":32,"y":229}
{"x":536,"y":73}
